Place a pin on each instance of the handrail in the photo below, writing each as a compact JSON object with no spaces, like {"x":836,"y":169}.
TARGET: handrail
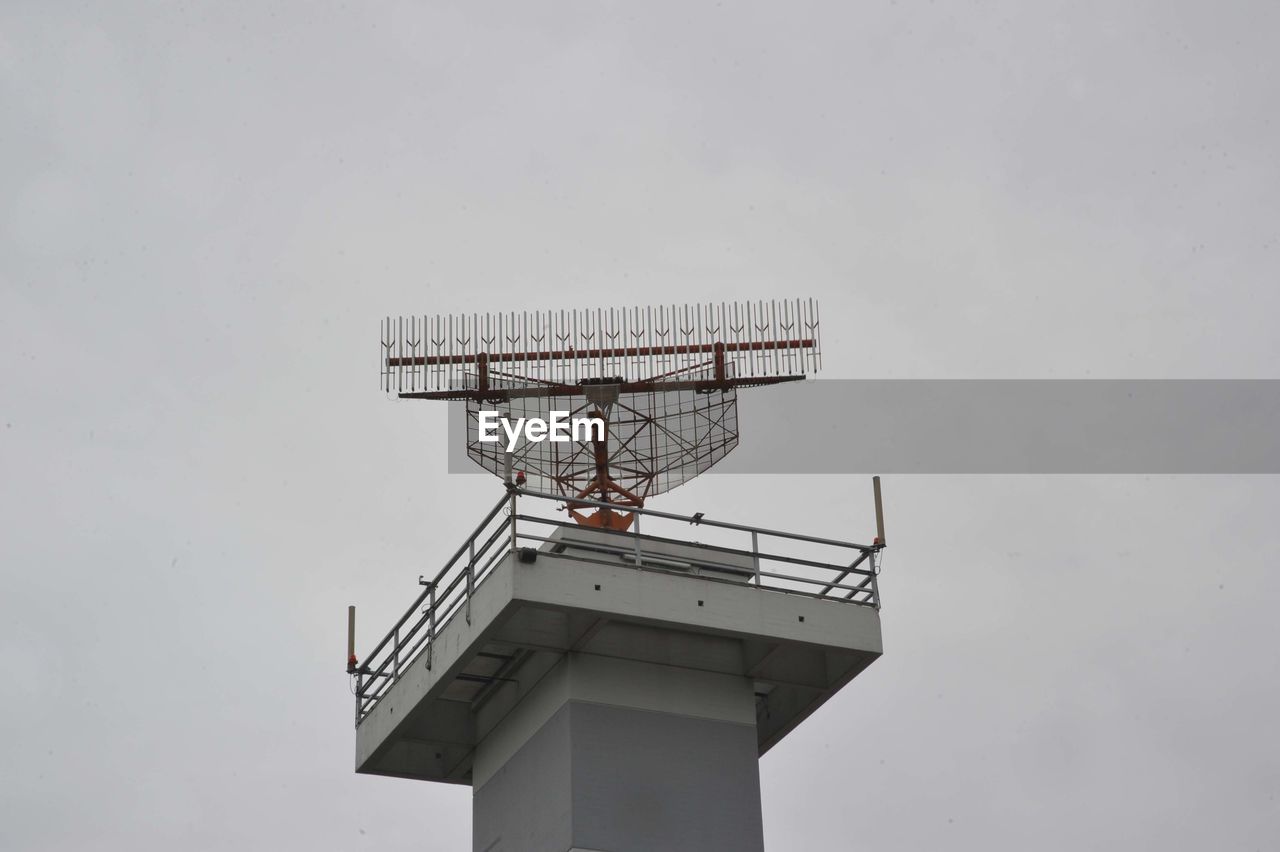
{"x":696,"y":521}
{"x":849,"y":569}
{"x":439,"y":576}
{"x":453,"y":586}
{"x":383,"y":665}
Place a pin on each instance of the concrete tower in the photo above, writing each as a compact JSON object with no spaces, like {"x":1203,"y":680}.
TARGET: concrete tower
{"x":600,"y":688}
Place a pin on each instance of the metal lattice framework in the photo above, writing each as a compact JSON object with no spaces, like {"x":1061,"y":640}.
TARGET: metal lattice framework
{"x":663,"y":379}
{"x":657,"y":440}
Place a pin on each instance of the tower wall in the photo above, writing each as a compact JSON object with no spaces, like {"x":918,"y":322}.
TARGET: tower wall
{"x":614,"y":755}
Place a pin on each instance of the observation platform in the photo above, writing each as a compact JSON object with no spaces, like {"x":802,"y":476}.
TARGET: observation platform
{"x":747,"y":628}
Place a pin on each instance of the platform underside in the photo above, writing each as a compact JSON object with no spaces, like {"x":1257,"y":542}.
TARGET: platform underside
{"x":525,"y":617}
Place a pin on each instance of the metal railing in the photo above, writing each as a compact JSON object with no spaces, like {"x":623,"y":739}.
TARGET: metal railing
{"x":846,"y":573}
{"x":442,"y":597}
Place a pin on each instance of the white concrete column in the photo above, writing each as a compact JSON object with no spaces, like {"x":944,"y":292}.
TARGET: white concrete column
{"x":614,"y":755}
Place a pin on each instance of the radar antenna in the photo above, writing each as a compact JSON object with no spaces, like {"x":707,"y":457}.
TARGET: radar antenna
{"x":662,"y":379}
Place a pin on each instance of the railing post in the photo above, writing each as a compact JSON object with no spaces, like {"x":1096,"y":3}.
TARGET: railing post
{"x":359,"y":694}
{"x":639,"y":563}
{"x":395,"y":653}
{"x":431,"y":627}
{"x":755,"y":555}
{"x":512,"y":518}
{"x":875,"y":584}
{"x":471,"y":574}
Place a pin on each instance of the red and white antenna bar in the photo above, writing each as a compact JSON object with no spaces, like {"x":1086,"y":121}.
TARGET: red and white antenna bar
{"x":463,"y":356}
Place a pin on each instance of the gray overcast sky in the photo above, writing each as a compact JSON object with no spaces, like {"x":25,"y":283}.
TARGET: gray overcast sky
{"x":207,"y":207}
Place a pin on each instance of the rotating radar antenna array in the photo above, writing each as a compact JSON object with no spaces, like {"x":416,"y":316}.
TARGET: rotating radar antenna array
{"x":663,"y":380}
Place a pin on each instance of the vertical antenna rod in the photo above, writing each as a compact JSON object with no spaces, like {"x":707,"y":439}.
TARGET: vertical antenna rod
{"x":351,"y":639}
{"x":875,"y":487}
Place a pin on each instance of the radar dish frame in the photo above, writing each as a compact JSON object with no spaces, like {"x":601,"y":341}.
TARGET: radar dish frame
{"x":678,"y":368}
